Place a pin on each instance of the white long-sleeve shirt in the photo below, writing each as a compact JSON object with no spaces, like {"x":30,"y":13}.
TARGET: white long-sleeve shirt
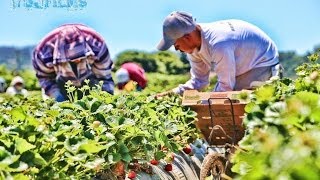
{"x":234,"y":47}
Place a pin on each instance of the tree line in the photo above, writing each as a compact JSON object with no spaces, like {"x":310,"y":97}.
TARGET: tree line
{"x":16,"y":59}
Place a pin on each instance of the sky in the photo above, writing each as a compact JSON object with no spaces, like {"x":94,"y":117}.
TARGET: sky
{"x":137,"y":24}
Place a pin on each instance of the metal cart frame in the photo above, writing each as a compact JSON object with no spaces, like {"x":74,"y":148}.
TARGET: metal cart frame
{"x":215,"y":164}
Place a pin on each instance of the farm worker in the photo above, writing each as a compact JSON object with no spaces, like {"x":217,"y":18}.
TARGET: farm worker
{"x":17,"y":87}
{"x":72,"y":52}
{"x":240,"y":52}
{"x":130,"y":75}
{"x":2,"y":85}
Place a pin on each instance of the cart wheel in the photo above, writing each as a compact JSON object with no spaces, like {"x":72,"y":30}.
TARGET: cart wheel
{"x":213,"y":165}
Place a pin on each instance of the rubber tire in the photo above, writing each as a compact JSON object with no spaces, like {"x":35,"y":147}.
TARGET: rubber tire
{"x":213,"y":163}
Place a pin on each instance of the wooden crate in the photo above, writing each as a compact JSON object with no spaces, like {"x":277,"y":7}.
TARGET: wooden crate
{"x":221,"y":110}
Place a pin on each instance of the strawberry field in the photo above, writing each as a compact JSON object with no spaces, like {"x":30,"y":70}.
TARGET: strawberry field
{"x":282,"y":121}
{"x":78,"y":139}
{"x":120,"y":136}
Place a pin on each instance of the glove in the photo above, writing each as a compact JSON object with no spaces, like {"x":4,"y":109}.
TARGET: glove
{"x":139,"y":88}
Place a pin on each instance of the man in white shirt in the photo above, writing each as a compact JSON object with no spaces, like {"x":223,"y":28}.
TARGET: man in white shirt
{"x":240,"y":52}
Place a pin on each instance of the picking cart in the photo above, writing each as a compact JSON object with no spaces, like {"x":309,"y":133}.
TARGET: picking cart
{"x":219,"y":119}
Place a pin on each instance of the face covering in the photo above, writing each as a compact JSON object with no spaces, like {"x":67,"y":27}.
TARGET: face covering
{"x":18,"y":87}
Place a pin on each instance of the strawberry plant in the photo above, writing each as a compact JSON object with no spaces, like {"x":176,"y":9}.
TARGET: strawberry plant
{"x":283,"y":124}
{"x":99,"y":133}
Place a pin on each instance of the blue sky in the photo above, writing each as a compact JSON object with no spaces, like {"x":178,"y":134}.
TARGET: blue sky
{"x":137,"y":24}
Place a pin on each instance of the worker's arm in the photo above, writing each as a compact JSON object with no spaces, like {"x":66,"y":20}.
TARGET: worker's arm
{"x":199,"y":77}
{"x":102,"y":69}
{"x":199,"y":71}
{"x":46,"y":75}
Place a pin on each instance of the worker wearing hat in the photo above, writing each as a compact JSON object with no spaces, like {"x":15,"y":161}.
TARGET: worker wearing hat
{"x":2,"y":84}
{"x":72,"y":52}
{"x":240,"y":52}
{"x":131,"y":76}
{"x":17,"y":87}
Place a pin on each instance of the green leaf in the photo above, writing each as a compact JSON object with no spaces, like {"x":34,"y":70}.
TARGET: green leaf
{"x":137,"y":140}
{"x":33,"y":121}
{"x":34,"y":170}
{"x":18,"y":166}
{"x":22,"y":145}
{"x":20,"y":177}
{"x":315,"y":115}
{"x":91,"y":147}
{"x":308,"y":98}
{"x":121,"y":120}
{"x":18,"y":114}
{"x":53,"y":113}
{"x":151,"y":113}
{"x":175,"y":147}
{"x":99,"y":117}
{"x":149,"y":147}
{"x":159,"y":155}
{"x":115,"y":157}
{"x":109,"y":144}
{"x":32,"y":138}
{"x":265,"y":93}
{"x":152,"y":105}
{"x":123,"y":149}
{"x":95,"y":106}
{"x":3,"y":153}
{"x":157,"y":135}
{"x":67,"y":105}
{"x":88,"y":134}
{"x":38,"y":159}
{"x":249,"y":107}
{"x":126,"y":157}
{"x":73,"y":144}
{"x":82,"y":104}
{"x":7,"y":143}
{"x":78,"y":157}
{"x":160,"y":138}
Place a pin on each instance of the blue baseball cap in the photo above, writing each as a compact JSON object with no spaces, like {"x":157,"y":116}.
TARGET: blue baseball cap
{"x":175,"y":25}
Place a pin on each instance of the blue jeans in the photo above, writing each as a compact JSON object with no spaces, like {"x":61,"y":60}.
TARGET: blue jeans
{"x":63,"y":91}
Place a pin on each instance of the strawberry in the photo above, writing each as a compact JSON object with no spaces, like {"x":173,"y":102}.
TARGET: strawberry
{"x":154,"y":162}
{"x":168,"y":167}
{"x":187,"y":150}
{"x":132,"y":175}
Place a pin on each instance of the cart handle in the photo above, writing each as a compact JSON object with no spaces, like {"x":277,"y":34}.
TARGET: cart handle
{"x":219,"y":127}
{"x":232,"y":113}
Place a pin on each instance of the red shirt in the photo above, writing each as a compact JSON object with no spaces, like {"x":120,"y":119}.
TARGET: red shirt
{"x":136,"y":73}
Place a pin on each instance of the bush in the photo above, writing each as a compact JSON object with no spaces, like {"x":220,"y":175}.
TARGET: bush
{"x":28,"y":75}
{"x":162,"y":62}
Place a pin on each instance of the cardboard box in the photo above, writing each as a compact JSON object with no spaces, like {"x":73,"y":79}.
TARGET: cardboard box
{"x":221,"y":110}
